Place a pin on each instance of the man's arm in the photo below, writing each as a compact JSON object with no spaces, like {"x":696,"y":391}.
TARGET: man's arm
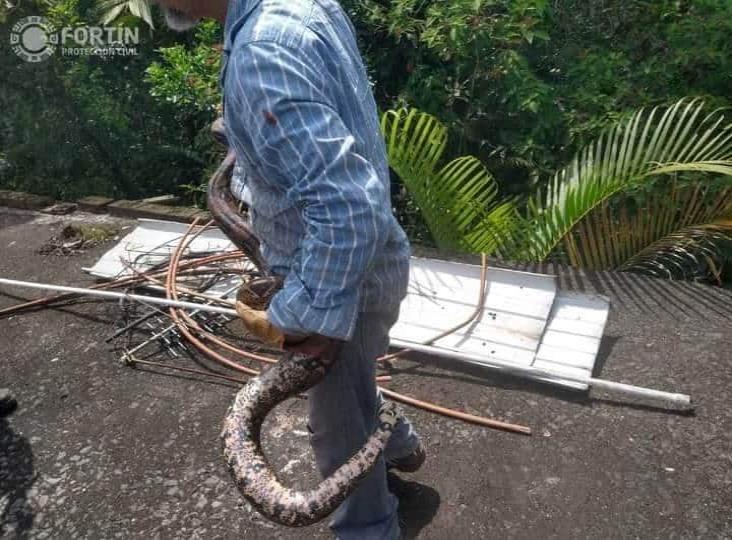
{"x":281,"y":117}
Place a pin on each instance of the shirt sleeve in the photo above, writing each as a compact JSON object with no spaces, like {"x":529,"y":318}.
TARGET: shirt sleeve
{"x":280,"y":114}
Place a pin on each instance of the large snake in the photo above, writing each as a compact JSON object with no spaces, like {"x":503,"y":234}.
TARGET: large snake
{"x":292,"y":375}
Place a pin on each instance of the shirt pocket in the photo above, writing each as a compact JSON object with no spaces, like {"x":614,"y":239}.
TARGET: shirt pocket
{"x":274,"y":218}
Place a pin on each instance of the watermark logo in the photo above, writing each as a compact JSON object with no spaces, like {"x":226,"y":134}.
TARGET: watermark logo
{"x":34,"y":39}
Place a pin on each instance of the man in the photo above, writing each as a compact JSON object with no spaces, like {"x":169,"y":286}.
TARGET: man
{"x":302,"y":120}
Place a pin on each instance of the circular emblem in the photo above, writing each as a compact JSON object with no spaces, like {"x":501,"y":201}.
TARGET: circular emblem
{"x":33,"y":39}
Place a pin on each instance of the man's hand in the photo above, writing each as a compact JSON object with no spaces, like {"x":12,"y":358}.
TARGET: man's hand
{"x":257,"y":323}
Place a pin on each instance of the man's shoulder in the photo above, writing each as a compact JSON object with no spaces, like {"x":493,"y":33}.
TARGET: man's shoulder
{"x":284,"y":22}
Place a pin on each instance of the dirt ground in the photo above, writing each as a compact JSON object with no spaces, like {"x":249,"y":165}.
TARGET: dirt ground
{"x":100,"y":450}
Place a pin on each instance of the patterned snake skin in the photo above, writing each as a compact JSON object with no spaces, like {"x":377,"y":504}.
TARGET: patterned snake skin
{"x":292,"y":375}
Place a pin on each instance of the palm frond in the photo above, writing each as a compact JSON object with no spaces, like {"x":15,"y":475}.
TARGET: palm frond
{"x":610,"y":235}
{"x":459,"y":201}
{"x":678,"y":139}
{"x":692,"y":253}
{"x":415,"y":141}
{"x":111,"y":9}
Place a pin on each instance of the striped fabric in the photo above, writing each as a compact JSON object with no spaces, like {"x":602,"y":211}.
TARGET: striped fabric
{"x":301,"y":117}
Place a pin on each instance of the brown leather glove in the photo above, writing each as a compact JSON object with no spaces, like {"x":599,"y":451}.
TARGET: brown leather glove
{"x":252,"y":300}
{"x":251,"y":304}
{"x":257,"y":323}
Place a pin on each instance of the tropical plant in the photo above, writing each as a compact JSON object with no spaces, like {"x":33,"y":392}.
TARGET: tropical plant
{"x":459,"y":200}
{"x":649,"y":193}
{"x":697,"y":252}
{"x":524,"y":84}
{"x":677,"y":230}
{"x":110,"y":10}
{"x":681,"y":140}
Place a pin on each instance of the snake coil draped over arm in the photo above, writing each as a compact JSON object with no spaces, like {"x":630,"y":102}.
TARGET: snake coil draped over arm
{"x":292,"y":375}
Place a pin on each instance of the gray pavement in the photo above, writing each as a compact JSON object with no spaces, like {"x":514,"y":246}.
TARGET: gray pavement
{"x":99,"y":450}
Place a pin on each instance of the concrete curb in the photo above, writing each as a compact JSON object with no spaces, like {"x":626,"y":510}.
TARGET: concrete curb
{"x":24,"y":201}
{"x":106,"y":205}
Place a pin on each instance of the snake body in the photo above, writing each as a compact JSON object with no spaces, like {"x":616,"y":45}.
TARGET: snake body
{"x":292,"y":375}
{"x":248,"y":466}
{"x":224,"y":209}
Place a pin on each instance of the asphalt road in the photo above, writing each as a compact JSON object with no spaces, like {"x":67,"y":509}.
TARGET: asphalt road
{"x":100,"y":450}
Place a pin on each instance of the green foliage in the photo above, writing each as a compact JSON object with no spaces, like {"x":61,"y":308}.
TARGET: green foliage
{"x":682,"y":139}
{"x":675,"y":229}
{"x":459,"y":200}
{"x":74,"y":126}
{"x":698,"y":252}
{"x":188,"y":78}
{"x":523,"y":85}
{"x":574,"y":217}
{"x":465,"y":61}
{"x":111,"y":11}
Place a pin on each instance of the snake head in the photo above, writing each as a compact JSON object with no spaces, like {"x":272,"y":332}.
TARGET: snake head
{"x":258,"y":292}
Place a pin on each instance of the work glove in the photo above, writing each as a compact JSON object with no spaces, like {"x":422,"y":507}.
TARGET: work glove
{"x":251,"y":302}
{"x":257,"y":323}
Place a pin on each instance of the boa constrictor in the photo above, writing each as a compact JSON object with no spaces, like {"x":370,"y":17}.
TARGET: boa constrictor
{"x":292,"y":375}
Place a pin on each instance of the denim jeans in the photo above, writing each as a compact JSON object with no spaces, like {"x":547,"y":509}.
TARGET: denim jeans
{"x":343,"y":409}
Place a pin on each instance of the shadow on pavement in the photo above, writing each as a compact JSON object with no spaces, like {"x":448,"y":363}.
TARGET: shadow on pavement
{"x":491,"y":378}
{"x":456,"y":370}
{"x":418,"y":504}
{"x":16,"y":479}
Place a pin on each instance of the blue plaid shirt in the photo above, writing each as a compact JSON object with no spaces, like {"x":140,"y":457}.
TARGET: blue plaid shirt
{"x":302,"y":119}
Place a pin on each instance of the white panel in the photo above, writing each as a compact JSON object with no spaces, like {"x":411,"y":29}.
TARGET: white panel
{"x":491,"y":350}
{"x":573,"y":306}
{"x":573,"y":333}
{"x":563,"y":341}
{"x":494,"y":325}
{"x":153,"y":242}
{"x":574,"y":327}
{"x":566,"y":356}
{"x":442,"y":294}
{"x":525,"y":321}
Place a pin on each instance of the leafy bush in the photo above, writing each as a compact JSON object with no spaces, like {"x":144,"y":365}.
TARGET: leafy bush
{"x":74,"y":126}
{"x":524,"y":84}
{"x":653,"y":194}
{"x":188,"y":77}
